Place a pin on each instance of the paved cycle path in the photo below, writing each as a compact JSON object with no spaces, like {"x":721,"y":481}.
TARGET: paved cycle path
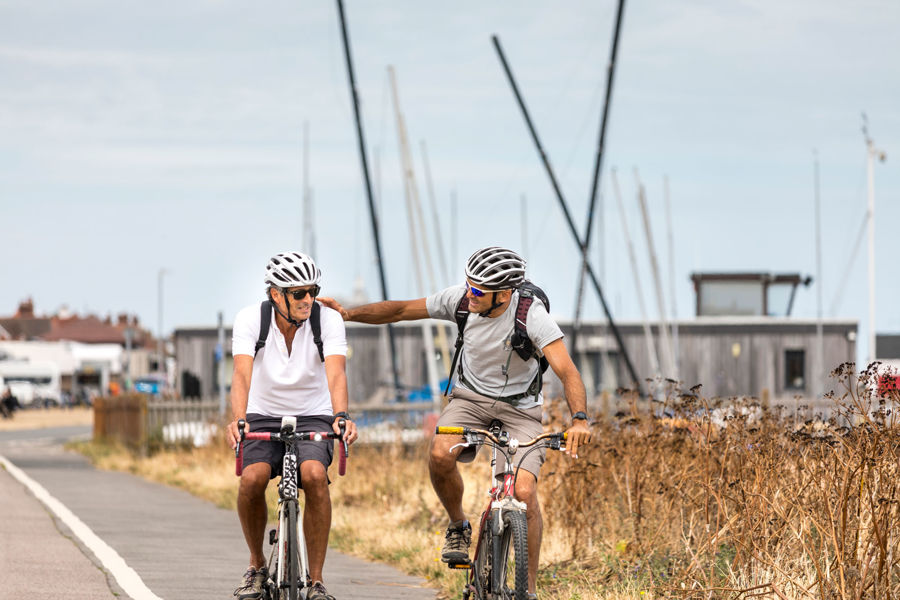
{"x":181,"y":547}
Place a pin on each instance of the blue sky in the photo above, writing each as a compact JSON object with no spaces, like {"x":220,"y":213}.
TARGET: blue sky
{"x":136,"y":136}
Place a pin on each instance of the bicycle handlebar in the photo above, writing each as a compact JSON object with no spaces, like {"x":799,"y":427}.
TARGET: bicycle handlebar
{"x":470,"y":430}
{"x":297,"y":436}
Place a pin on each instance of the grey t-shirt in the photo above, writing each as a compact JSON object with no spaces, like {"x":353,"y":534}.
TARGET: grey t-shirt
{"x":487,"y":346}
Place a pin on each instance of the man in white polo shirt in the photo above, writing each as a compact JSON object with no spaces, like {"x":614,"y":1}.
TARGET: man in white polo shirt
{"x":288,"y":372}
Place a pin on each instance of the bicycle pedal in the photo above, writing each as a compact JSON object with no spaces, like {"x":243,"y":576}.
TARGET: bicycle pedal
{"x":273,"y":537}
{"x":459,"y":565}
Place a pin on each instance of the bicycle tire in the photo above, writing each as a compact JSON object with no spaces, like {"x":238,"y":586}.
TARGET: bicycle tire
{"x":514,"y":546}
{"x":480,"y":573}
{"x":293,"y":552}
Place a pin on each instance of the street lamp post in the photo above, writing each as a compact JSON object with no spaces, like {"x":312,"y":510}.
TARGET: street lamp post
{"x":871,"y":154}
{"x":129,"y":337}
{"x":161,"y":364}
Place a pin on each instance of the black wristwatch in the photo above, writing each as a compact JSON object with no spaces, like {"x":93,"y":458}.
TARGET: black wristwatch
{"x":342,"y":415}
{"x":580,"y":416}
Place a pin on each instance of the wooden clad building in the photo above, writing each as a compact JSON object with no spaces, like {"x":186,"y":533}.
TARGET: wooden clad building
{"x":728,"y":355}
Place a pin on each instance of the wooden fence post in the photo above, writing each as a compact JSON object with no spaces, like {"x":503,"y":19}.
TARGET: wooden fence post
{"x":100,"y":426}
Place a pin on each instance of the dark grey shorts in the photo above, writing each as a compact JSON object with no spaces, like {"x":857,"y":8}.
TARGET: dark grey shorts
{"x":256,"y":451}
{"x":468,"y":409}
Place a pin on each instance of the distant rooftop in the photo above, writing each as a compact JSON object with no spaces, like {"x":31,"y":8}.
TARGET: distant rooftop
{"x":66,"y":325}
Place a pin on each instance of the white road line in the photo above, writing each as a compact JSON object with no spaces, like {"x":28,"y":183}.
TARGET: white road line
{"x":130,"y":582}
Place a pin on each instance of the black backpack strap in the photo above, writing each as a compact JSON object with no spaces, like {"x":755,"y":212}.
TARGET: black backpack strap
{"x":265,"y":319}
{"x":520,"y":341}
{"x":461,"y":316}
{"x":316,"y":323}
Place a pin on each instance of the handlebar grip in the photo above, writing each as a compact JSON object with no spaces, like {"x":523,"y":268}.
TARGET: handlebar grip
{"x":239,"y":459}
{"x":239,"y":448}
{"x":343,"y":449}
{"x":342,"y":460}
{"x":449,"y":430}
{"x":265,"y":436}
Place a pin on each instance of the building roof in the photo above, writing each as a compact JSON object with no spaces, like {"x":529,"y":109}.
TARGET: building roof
{"x":26,"y":328}
{"x":90,"y":330}
{"x":67,"y":326}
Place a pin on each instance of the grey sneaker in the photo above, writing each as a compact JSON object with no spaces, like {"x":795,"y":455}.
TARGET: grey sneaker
{"x":318,"y":592}
{"x":251,"y":587}
{"x":456,"y":542}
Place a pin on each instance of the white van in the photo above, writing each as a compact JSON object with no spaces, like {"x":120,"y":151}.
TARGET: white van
{"x":35,"y":383}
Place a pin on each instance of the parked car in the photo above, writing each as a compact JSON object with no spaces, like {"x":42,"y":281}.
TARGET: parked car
{"x":33,"y":383}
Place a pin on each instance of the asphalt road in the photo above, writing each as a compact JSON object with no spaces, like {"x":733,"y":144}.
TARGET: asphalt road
{"x":180,"y":547}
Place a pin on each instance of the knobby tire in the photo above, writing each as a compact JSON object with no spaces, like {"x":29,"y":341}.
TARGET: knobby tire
{"x":480,"y":574}
{"x":514,"y":546}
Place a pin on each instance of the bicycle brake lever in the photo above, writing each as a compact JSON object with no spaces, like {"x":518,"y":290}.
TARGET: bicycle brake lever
{"x":465,"y":444}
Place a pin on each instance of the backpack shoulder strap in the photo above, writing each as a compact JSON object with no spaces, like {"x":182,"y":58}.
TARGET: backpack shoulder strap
{"x":461,"y":315}
{"x":316,"y":323}
{"x":265,"y":319}
{"x":521,"y":343}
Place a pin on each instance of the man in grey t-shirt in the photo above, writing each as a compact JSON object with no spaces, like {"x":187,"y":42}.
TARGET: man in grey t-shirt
{"x":493,"y":382}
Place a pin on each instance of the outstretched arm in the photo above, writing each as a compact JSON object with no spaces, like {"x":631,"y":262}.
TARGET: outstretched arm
{"x":389,"y":311}
{"x":561,"y":363}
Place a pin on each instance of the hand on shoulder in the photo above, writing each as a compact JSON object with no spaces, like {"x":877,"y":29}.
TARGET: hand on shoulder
{"x":334,"y":305}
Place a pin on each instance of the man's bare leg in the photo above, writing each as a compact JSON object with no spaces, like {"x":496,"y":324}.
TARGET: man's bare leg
{"x":316,"y":514}
{"x":252,"y":509}
{"x":445,"y":477}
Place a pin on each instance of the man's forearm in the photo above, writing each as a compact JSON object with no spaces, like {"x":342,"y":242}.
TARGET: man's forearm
{"x":239,"y":396}
{"x":576,"y":396}
{"x":377,"y":313}
{"x":339,"y":397}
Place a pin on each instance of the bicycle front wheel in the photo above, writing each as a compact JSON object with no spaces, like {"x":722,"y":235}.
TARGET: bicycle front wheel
{"x":479,"y":580}
{"x":292,"y":555}
{"x":514,"y":550}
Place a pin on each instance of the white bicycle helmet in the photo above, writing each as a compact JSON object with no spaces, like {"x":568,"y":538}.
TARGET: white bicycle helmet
{"x":292,"y":269}
{"x":495,"y":268}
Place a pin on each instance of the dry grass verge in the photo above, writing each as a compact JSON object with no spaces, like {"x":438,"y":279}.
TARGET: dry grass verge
{"x":666,"y":504}
{"x":41,"y":418}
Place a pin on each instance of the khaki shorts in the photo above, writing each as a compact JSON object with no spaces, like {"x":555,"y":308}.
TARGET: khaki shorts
{"x":468,"y":409}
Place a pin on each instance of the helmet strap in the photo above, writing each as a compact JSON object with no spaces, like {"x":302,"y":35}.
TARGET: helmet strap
{"x":494,"y":305}
{"x":287,"y":316}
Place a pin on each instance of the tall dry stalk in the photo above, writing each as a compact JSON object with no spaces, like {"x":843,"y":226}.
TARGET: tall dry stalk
{"x":709,"y":498}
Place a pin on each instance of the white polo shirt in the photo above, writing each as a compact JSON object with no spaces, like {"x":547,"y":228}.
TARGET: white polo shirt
{"x":285,"y":384}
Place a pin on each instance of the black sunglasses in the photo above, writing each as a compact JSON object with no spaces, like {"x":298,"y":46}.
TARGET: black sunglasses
{"x":301,"y":294}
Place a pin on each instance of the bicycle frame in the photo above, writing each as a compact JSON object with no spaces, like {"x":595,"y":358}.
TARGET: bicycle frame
{"x":288,"y":497}
{"x":487,"y":574}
